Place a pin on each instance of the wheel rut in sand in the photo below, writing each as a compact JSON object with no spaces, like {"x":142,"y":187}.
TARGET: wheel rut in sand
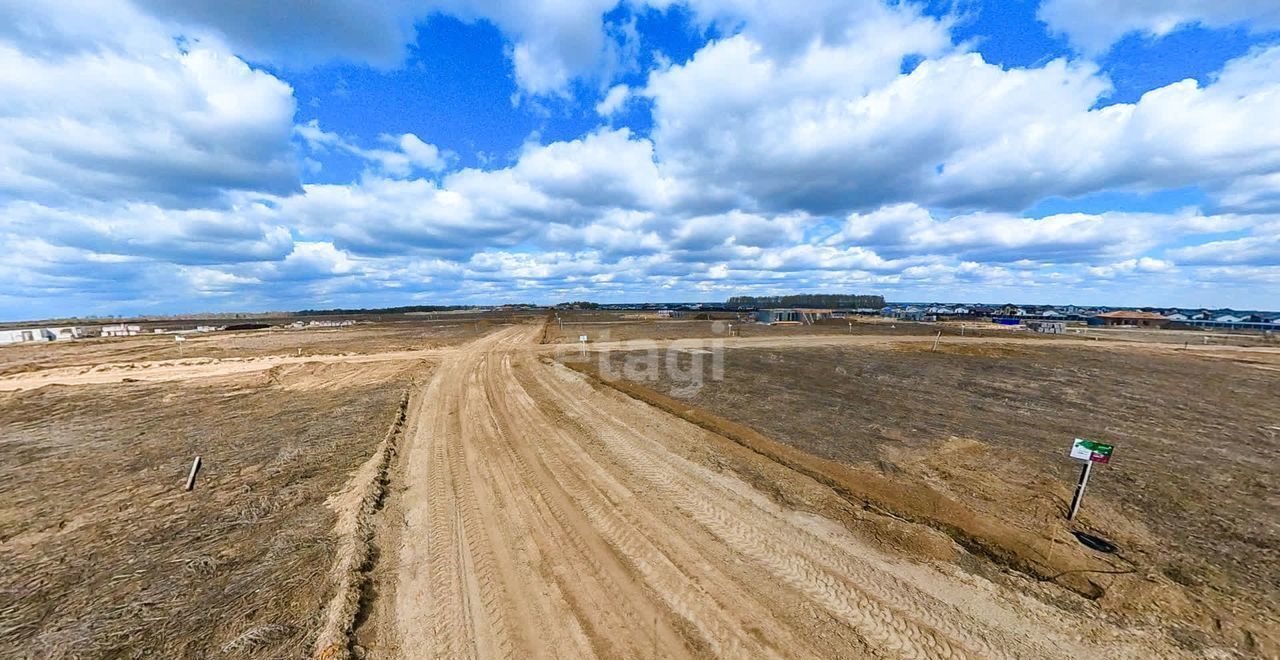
{"x":543,"y":517}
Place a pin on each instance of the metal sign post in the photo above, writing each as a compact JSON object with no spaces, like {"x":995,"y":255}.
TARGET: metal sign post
{"x":583,"y":340}
{"x":1090,"y":452}
{"x":1079,"y":496}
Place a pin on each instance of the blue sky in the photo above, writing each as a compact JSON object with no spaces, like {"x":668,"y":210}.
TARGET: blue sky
{"x":163,"y":157}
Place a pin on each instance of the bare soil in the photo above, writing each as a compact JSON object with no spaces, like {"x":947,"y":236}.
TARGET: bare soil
{"x":1190,"y":496}
{"x":106,"y":555}
{"x":610,"y":329}
{"x":409,"y":333}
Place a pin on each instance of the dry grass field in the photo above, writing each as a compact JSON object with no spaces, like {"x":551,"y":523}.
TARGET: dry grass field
{"x":1191,"y":495}
{"x":106,"y":555}
{"x":616,"y":328}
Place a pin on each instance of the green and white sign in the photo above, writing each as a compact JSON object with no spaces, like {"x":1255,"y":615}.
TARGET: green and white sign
{"x":1091,"y":450}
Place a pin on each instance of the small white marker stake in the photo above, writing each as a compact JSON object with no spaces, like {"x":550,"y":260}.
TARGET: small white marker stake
{"x":935,"y":342}
{"x":191,"y":478}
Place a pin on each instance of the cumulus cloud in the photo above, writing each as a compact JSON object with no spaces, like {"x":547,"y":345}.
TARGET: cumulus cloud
{"x":408,"y":153}
{"x":838,"y":127}
{"x":552,"y":41}
{"x":785,"y":33}
{"x":613,"y":101}
{"x":1260,"y":247}
{"x":136,"y":120}
{"x":239,"y":233}
{"x":303,"y":33}
{"x":1094,"y":25}
{"x":906,"y":229}
{"x":1129,"y":266}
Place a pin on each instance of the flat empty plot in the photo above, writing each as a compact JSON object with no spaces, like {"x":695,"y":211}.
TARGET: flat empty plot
{"x":104,"y":553}
{"x":1191,"y":493}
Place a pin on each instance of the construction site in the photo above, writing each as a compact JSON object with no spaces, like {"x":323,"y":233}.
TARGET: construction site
{"x":590,"y":484}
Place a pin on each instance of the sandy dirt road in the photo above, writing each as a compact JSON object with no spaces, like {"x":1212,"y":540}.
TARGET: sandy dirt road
{"x":540,"y":516}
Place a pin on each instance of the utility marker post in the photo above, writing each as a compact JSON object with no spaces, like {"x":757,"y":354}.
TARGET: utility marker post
{"x":1090,"y":452}
{"x":582,"y":339}
{"x":191,"y":478}
{"x":935,"y":342}
{"x":850,"y":327}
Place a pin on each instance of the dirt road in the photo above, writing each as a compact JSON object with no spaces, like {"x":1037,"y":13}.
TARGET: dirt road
{"x":539,"y":516}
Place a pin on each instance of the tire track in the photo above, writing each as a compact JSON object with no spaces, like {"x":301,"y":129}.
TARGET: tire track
{"x":890,"y":613}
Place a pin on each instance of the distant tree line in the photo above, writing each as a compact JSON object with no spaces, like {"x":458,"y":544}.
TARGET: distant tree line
{"x":816,"y":300}
{"x":578,"y":304}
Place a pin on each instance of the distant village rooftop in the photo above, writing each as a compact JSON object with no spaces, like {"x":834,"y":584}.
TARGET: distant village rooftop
{"x":1126,"y":314}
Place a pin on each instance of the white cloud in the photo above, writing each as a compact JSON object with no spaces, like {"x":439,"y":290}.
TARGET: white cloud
{"x":553,"y":42}
{"x":908,"y":229}
{"x":176,"y":126}
{"x":1261,"y":247}
{"x":1130,"y":266}
{"x":296,"y":33}
{"x":1094,"y":25}
{"x":409,"y":154}
{"x":1179,"y":135}
{"x":613,"y":101}
{"x":239,"y":233}
{"x":837,"y":127}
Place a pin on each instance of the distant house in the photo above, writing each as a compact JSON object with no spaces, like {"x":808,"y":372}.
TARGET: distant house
{"x":1230,"y":318}
{"x":909,"y":313}
{"x":1125,"y":318}
{"x":857,"y":311}
{"x":1177,"y":316}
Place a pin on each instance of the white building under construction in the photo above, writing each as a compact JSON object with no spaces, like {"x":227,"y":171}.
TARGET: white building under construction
{"x":24,"y":335}
{"x":791,"y":315}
